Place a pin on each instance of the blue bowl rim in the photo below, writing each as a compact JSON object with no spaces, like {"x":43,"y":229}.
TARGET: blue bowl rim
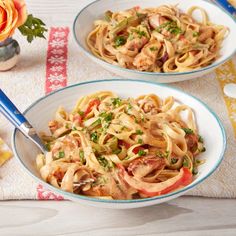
{"x":85,"y":198}
{"x":89,"y":54}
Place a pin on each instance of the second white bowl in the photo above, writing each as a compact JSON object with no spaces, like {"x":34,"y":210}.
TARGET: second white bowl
{"x":84,"y":22}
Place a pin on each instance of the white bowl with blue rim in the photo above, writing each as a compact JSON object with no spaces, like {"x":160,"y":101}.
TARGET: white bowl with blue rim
{"x":43,"y":110}
{"x":83,"y":24}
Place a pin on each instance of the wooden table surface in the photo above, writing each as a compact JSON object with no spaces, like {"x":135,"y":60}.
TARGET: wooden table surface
{"x":182,"y":216}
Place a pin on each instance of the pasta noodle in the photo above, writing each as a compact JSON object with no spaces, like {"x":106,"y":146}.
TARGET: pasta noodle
{"x":161,"y":39}
{"x":121,"y":148}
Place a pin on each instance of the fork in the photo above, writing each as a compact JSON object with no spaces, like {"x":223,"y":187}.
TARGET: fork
{"x":9,"y":110}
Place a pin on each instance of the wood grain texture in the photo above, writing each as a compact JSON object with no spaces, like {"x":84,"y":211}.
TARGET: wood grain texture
{"x":181,"y":217}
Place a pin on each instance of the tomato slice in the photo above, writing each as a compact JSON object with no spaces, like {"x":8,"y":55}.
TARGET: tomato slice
{"x":94,"y":103}
{"x":137,"y":149}
{"x":185,"y":179}
{"x":154,"y":189}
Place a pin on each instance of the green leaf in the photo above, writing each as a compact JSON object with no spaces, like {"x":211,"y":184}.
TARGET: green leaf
{"x":200,"y":139}
{"x":116,"y":102}
{"x":117,"y":151}
{"x":174,"y":160}
{"x":141,"y":153}
{"x":61,"y":154}
{"x":33,"y":28}
{"x":187,"y":131}
{"x":119,"y":41}
{"x":94,"y":137}
{"x":105,"y":163}
{"x":138,"y":131}
{"x":30,"y":38}
{"x":140,"y":141}
{"x":195,"y":34}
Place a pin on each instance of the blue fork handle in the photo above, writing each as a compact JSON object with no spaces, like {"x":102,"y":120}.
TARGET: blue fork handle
{"x":226,"y":5}
{"x":9,"y":110}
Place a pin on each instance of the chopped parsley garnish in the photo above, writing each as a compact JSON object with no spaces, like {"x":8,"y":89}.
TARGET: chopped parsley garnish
{"x":107,"y":116}
{"x":117,"y":151}
{"x":105,"y":163}
{"x":67,"y":126}
{"x":61,"y":154}
{"x":129,"y":106}
{"x":170,"y":26}
{"x":97,"y":122}
{"x":153,"y":49}
{"x":81,"y":156}
{"x":203,"y":149}
{"x":103,"y":114}
{"x":185,"y":162}
{"x":200,"y":139}
{"x":131,"y":36}
{"x":141,"y":153}
{"x":120,"y":40}
{"x":74,"y":128}
{"x":136,"y":120}
{"x":198,"y":161}
{"x":94,"y":137}
{"x":116,"y":102}
{"x":187,"y":130}
{"x":81,"y":113}
{"x":195,"y":34}
{"x":162,"y":26}
{"x":174,"y":160}
{"x":162,"y":154}
{"x":140,"y":33}
{"x":138,"y":131}
{"x":140,"y":141}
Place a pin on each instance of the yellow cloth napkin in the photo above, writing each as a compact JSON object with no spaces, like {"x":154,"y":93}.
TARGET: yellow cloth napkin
{"x":5,"y":152}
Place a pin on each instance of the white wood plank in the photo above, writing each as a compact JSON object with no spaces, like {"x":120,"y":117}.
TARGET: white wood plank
{"x":182,"y":216}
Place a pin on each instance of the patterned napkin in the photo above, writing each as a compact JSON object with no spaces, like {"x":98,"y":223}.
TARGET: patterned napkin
{"x":49,"y":65}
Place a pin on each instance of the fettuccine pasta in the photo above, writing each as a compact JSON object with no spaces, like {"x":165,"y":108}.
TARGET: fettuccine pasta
{"x":114,"y":148}
{"x":161,"y":39}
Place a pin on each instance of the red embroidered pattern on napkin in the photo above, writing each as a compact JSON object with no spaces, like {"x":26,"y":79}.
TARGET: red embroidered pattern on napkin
{"x":56,"y":64}
{"x":56,"y":77}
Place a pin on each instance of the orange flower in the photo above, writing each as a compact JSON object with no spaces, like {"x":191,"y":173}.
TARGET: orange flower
{"x":12,"y":15}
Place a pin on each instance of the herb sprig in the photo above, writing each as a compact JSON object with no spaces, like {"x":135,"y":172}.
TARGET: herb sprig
{"x":33,"y":28}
